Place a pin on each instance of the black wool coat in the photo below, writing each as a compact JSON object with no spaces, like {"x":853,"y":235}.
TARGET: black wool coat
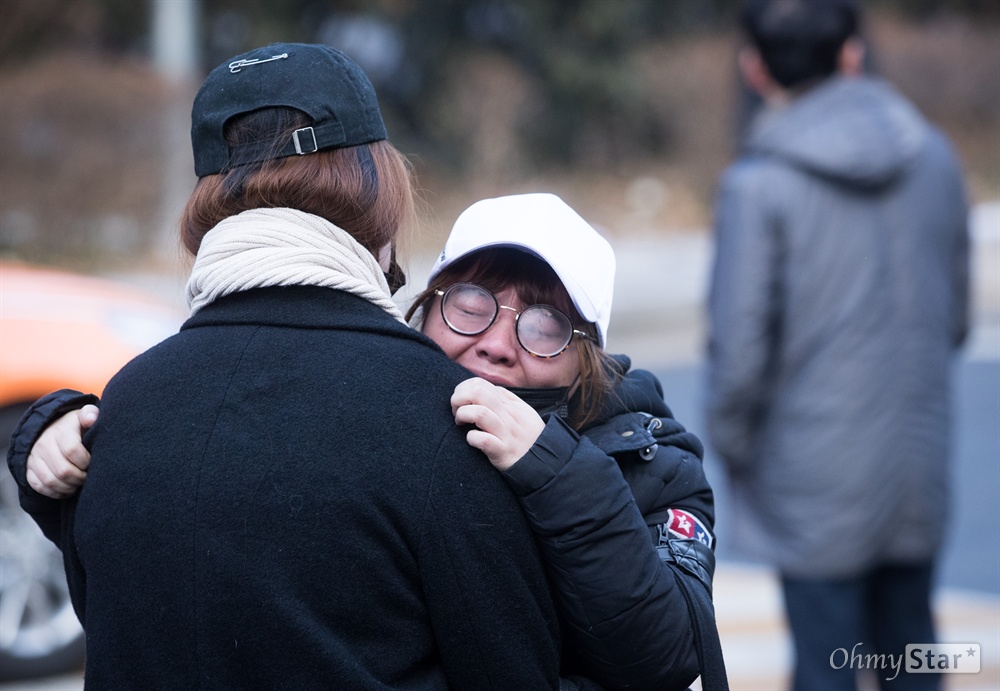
{"x":279,"y":497}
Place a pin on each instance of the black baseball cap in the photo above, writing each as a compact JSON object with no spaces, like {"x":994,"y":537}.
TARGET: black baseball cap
{"x":316,"y":79}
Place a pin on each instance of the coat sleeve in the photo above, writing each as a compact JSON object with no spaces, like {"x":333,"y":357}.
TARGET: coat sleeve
{"x":43,"y":412}
{"x":488,"y":598}
{"x":627,"y":621}
{"x":744,"y":314}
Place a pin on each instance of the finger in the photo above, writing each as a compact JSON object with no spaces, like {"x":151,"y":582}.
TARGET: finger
{"x":483,"y":441}
{"x":88,"y":416}
{"x":40,"y":486}
{"x":499,"y":453}
{"x":58,"y":472}
{"x":64,"y":439}
{"x":481,"y":416}
{"x":71,"y":448}
{"x":69,"y":475}
{"x":52,"y":467}
{"x":495,"y":450}
{"x":51,"y":487}
{"x":480,"y":392}
{"x":474,"y":390}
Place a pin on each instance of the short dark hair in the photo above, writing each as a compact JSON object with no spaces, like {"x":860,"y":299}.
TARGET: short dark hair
{"x":366,"y":190}
{"x":799,"y":40}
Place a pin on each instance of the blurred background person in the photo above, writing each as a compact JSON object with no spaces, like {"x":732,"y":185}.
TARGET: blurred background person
{"x":839,"y":295}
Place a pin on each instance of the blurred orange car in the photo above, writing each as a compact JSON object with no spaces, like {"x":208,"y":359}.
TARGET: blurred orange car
{"x":57,"y":330}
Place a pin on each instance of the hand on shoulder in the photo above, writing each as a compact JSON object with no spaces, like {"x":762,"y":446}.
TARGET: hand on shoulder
{"x":505,"y":426}
{"x":58,"y":462}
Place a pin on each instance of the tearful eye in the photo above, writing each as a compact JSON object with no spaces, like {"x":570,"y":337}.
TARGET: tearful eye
{"x":544,"y":331}
{"x":468,"y":309}
{"x":472,"y":310}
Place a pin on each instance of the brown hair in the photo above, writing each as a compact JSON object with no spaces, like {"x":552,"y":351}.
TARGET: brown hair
{"x":534,"y":281}
{"x":367,"y":190}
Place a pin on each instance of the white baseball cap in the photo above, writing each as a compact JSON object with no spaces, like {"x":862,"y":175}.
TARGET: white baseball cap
{"x":546,"y":226}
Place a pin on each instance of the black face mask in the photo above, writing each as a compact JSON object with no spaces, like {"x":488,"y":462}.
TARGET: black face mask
{"x":395,"y":276}
{"x":544,"y":401}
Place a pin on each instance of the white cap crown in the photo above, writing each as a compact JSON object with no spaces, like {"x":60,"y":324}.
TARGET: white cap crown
{"x":544,"y":225}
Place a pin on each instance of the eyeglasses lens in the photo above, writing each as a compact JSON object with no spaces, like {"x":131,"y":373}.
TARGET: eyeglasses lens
{"x":543,"y":331}
{"x":469,"y":310}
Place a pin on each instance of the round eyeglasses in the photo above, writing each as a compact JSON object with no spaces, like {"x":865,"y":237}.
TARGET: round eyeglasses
{"x":542,"y":330}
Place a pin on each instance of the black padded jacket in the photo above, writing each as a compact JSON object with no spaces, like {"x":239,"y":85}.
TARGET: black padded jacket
{"x":623,"y":513}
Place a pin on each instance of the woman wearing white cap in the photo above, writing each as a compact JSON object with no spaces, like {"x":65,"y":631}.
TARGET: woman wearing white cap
{"x":611,"y":484}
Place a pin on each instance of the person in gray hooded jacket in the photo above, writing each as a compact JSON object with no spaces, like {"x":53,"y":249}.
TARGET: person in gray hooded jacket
{"x":839,"y":296}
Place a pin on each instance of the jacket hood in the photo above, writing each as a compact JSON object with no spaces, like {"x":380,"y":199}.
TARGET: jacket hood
{"x":858,"y":130}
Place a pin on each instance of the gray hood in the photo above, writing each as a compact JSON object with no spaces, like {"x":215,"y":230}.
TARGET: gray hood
{"x":857,"y":130}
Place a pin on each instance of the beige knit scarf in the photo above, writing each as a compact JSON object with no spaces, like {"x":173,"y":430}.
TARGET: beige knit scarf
{"x":284,"y":247}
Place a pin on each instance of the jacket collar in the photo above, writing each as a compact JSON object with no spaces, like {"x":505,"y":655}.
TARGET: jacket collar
{"x":302,"y":307}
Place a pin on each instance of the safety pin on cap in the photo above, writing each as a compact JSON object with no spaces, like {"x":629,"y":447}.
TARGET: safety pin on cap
{"x":237,"y":65}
